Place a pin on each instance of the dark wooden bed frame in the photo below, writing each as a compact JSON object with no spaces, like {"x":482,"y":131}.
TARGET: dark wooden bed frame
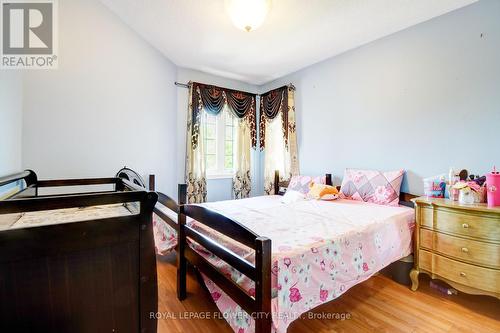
{"x":91,"y":276}
{"x":259,"y":307}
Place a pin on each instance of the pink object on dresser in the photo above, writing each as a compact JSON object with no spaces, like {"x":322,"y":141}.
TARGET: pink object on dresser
{"x":493,"y":188}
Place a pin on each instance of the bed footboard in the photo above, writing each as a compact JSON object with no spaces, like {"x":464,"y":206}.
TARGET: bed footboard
{"x":259,"y":307}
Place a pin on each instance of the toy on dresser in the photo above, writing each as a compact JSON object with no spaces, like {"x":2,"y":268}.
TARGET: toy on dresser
{"x":469,"y":192}
{"x":435,"y":187}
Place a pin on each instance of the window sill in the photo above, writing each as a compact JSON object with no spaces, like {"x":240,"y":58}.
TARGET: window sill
{"x":220,"y":176}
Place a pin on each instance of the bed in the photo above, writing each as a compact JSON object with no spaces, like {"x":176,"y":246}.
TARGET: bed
{"x":262,"y":284}
{"x":76,"y":261}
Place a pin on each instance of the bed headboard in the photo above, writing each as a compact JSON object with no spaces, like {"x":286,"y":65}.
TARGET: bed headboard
{"x":404,"y":198}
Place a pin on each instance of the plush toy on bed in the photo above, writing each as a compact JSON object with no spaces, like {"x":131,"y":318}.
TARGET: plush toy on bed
{"x":317,"y":191}
{"x":323,"y":192}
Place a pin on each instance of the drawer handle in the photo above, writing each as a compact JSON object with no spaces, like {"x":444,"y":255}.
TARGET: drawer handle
{"x":465,"y":226}
{"x":465,"y":250}
{"x":462,"y":274}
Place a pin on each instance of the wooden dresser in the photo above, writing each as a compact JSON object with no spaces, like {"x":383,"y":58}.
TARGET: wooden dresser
{"x":458,"y":244}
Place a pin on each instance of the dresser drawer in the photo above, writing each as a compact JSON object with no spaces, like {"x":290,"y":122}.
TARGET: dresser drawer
{"x":461,"y":223}
{"x":469,"y":275}
{"x":472,"y":251}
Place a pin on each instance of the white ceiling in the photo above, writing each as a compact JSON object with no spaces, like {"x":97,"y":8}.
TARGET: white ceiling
{"x":198,"y":34}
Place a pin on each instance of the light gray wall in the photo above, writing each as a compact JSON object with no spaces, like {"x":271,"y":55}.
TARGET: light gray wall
{"x":424,"y":99}
{"x":10,"y":121}
{"x":111,"y":103}
{"x":217,"y":189}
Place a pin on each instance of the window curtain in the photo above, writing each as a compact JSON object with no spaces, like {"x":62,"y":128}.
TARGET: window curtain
{"x":196,"y":178}
{"x":278,"y":138}
{"x":242,"y":182}
{"x":213,"y":99}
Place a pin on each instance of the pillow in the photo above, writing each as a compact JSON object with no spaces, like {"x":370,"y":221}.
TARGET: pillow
{"x":372,"y":186}
{"x":292,"y":196}
{"x":323,"y":192}
{"x":303,"y":183}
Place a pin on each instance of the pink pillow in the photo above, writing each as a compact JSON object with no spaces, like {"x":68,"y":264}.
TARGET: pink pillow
{"x":302,"y":183}
{"x":374,"y":186}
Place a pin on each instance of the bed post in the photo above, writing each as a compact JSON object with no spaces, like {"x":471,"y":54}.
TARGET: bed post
{"x":181,"y":245}
{"x":263,"y":317}
{"x":32,"y":179}
{"x":151,"y":182}
{"x":148,"y":288}
{"x":328,"y":179}
{"x":276,"y":182}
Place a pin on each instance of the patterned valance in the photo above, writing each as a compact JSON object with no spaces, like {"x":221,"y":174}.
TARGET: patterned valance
{"x":271,"y":104}
{"x":213,"y":99}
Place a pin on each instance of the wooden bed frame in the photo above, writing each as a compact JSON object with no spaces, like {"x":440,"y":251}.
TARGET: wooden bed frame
{"x":260,"y":272}
{"x":90,"y":276}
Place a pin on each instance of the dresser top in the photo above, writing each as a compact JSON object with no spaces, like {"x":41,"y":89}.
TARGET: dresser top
{"x":480,"y":207}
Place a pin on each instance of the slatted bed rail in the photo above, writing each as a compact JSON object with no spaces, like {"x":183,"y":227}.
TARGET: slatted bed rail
{"x":125,"y":192}
{"x":31,"y":186}
{"x":260,"y":272}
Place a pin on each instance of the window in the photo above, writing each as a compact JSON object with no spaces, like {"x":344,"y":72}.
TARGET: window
{"x":220,"y":144}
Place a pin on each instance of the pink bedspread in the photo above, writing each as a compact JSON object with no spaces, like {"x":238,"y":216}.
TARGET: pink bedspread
{"x":319,"y":250}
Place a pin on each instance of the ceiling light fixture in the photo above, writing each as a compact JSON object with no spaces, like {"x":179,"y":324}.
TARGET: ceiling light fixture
{"x":247,"y":15}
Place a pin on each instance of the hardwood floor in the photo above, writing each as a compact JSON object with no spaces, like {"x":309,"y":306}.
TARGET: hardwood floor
{"x":377,"y":305}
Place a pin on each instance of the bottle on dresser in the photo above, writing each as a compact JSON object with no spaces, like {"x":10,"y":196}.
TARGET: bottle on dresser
{"x":453,"y":178}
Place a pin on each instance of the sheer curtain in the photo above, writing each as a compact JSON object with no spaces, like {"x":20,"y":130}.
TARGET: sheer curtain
{"x":242,"y":182}
{"x":278,"y":137}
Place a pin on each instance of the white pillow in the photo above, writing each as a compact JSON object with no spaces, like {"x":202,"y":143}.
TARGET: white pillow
{"x":291,"y":196}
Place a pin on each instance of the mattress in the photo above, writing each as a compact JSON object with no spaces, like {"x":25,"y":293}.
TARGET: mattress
{"x":320,"y":249}
{"x":68,"y":215}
